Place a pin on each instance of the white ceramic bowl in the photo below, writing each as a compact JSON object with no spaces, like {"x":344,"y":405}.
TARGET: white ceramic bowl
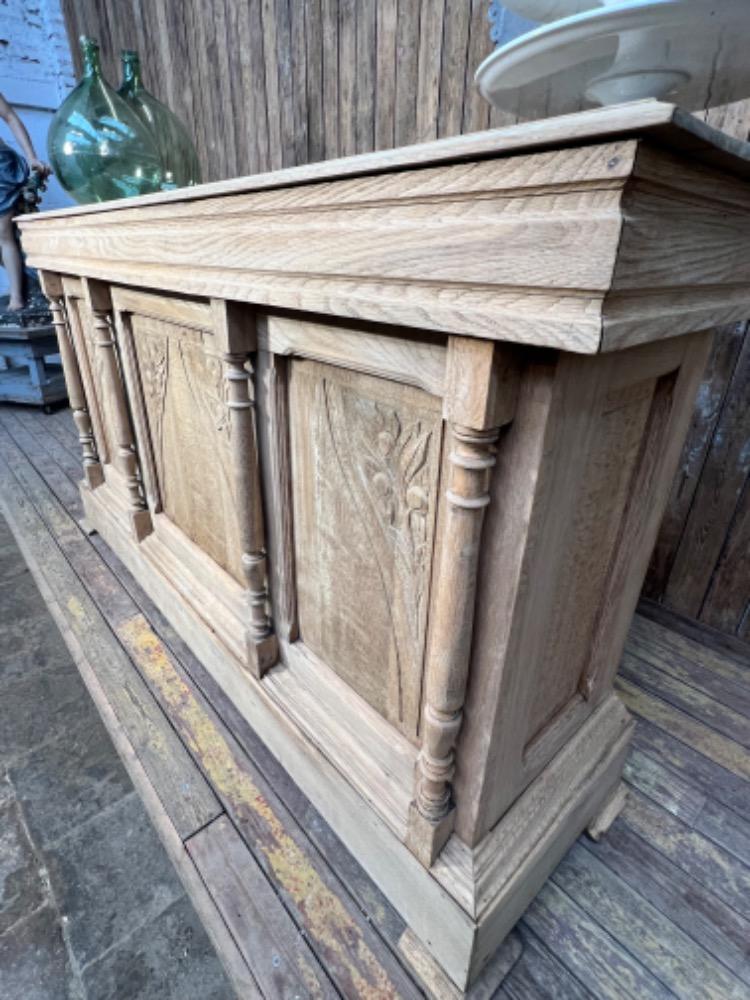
{"x":692,"y":52}
{"x":550,"y":10}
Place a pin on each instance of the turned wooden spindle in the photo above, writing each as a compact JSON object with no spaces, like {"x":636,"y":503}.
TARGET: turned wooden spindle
{"x":261,"y":641}
{"x":92,"y":469}
{"x":471,"y":459}
{"x":127,"y":462}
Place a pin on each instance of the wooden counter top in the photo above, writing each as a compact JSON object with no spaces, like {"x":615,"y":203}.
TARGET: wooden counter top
{"x":542,"y":233}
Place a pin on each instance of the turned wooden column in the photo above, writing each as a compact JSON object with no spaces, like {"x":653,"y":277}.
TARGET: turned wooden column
{"x":234,"y":330}
{"x":99,"y":302}
{"x":262,"y":644}
{"x":432,"y":813}
{"x":482,"y":387}
{"x":92,"y":468}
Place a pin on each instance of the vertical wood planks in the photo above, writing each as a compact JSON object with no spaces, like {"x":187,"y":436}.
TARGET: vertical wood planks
{"x":385,"y":92}
{"x":476,"y":111}
{"x":453,"y":65}
{"x":347,"y":30}
{"x":314,"y":82}
{"x":286,"y":81}
{"x":700,"y":562}
{"x":298,"y":23}
{"x":329,"y":15}
{"x":268,"y":83}
{"x":428,"y":68}
{"x":727,"y":603}
{"x":718,"y":374}
{"x":407,"y":52}
{"x":365,"y":69}
{"x":723,"y":478}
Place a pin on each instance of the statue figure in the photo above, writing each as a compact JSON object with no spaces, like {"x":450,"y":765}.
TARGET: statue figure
{"x":20,"y":180}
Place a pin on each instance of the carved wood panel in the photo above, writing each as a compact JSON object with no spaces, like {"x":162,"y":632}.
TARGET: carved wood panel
{"x":608,"y":448}
{"x":185,"y":400}
{"x":366,"y":463}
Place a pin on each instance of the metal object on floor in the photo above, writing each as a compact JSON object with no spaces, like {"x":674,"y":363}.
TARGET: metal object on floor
{"x":30,"y":367}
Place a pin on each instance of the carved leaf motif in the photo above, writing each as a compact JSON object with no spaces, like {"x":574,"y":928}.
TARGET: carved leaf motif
{"x":388,"y":471}
{"x":216,"y":401}
{"x":154,"y":364}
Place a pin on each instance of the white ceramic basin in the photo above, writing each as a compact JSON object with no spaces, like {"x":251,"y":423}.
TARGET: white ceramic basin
{"x":550,"y":10}
{"x":693,"y":52}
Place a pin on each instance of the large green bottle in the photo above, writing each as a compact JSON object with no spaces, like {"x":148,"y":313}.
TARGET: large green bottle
{"x":97,"y":145}
{"x":178,"y":156}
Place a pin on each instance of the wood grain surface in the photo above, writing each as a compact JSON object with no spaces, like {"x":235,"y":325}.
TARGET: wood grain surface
{"x":285,"y":93}
{"x":659,"y":904}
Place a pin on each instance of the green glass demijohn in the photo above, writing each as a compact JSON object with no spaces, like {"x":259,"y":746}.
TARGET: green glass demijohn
{"x":178,"y":157}
{"x":97,"y":145}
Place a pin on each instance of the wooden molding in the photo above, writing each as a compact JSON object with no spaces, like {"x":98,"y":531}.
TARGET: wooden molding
{"x":664,"y":123}
{"x":566,"y":257}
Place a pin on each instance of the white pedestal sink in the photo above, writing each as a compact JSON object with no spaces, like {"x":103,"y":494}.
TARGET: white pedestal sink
{"x":693,"y":52}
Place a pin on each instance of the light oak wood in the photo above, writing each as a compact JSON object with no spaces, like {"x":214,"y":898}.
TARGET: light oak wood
{"x":89,"y":366}
{"x":481,"y":396}
{"x":403,"y":440}
{"x":235,"y":332}
{"x":365,"y":451}
{"x":100,"y":304}
{"x":374,"y":350}
{"x":186,"y":366}
{"x":272,"y":388}
{"x":433,"y":815}
{"x":578,"y":500}
{"x":52,"y":287}
{"x":457,"y":287}
{"x":666,"y":123}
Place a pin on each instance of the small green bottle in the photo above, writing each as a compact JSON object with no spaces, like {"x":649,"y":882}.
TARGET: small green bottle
{"x":178,"y":156}
{"x":97,"y":145}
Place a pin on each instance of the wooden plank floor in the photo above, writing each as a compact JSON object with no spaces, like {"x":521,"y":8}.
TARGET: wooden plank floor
{"x":660,"y":908}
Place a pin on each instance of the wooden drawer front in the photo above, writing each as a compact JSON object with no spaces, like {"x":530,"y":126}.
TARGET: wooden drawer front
{"x":365,"y":472}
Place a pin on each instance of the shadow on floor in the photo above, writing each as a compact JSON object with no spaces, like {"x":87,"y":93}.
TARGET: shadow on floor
{"x":90,"y":906}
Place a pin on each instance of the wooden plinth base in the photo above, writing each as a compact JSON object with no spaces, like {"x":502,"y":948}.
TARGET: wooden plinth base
{"x":468,"y":901}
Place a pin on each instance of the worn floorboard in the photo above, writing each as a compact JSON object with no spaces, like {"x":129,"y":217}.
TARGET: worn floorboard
{"x":659,"y":908}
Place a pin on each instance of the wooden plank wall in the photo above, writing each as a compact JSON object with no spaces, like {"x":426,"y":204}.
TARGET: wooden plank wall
{"x":701,"y":563}
{"x":272,"y":83}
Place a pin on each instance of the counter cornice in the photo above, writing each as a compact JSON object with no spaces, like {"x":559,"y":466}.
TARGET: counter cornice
{"x":549,"y":233}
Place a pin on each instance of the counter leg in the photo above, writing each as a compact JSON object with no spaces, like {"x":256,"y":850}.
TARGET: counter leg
{"x":92,"y":469}
{"x":99,"y":302}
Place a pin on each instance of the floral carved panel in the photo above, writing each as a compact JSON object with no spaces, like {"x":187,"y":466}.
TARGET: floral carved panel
{"x":365,"y":469}
{"x":185,"y":400}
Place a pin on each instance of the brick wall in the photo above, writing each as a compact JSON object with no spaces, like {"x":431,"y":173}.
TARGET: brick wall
{"x":36,"y":73}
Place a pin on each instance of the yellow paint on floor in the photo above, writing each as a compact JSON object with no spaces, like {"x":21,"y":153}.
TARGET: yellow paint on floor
{"x":326,"y":920}
{"x":77,"y":610}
